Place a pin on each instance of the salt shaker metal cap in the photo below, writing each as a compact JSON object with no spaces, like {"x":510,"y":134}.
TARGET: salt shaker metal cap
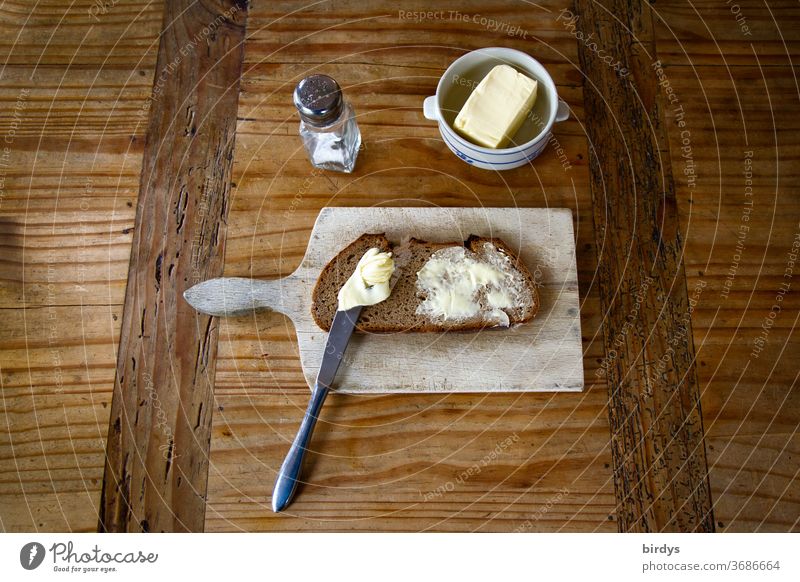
{"x":319,"y":100}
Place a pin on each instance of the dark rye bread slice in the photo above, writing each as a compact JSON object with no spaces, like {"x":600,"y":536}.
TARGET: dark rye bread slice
{"x":399,"y":312}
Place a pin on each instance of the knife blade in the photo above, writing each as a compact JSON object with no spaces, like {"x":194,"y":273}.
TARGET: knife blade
{"x":344,"y":322}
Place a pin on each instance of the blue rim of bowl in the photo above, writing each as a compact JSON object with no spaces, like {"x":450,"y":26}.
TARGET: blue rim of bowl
{"x":470,"y":159}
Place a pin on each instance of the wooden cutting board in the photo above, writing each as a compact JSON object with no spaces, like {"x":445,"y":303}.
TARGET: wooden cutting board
{"x":542,"y":355}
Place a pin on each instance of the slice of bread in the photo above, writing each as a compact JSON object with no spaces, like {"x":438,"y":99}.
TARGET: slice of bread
{"x":405,"y":309}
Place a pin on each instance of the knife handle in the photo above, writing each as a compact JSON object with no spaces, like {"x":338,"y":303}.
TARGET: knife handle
{"x":288,"y":476}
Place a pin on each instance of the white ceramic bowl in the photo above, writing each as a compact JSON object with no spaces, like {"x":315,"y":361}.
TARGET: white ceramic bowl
{"x":483,"y":157}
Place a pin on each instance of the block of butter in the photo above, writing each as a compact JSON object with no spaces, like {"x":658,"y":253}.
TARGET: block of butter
{"x":497,"y":107}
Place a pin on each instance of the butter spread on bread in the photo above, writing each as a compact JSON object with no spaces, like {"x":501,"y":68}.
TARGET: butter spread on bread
{"x":458,"y":284}
{"x":369,"y":283}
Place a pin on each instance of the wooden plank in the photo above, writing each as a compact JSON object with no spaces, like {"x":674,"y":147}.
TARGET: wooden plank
{"x":65,"y":251}
{"x":660,"y":471}
{"x":71,"y":174}
{"x":744,"y":32}
{"x":387,"y":66}
{"x":487,"y":462}
{"x":79,"y":34}
{"x":156,"y":470}
{"x":389,"y":35}
{"x":755,"y":480}
{"x":68,"y":184}
{"x":740,"y":221}
{"x":56,"y":375}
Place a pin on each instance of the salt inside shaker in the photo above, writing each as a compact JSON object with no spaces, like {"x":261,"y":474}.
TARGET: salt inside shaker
{"x":327,"y":124}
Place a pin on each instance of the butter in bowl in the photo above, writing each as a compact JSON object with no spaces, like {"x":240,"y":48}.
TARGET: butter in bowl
{"x":495,"y":108}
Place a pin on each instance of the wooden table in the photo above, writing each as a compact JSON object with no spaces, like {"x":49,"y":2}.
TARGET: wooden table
{"x":149,"y":146}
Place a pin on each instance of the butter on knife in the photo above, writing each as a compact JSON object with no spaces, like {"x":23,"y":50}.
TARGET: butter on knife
{"x":497,"y":107}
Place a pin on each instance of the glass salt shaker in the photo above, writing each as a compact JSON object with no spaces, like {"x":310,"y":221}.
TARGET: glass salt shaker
{"x":327,"y":124}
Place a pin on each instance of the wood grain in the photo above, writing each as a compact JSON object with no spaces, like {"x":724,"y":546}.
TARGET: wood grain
{"x":387,"y":66}
{"x":660,"y":470}
{"x":57,"y":375}
{"x":706,"y":32}
{"x":66,"y":216}
{"x":80,"y":34}
{"x":750,"y":404}
{"x":493,"y":462}
{"x":156,"y":469}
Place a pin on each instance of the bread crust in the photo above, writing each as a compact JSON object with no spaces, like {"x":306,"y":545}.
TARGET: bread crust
{"x":386,"y":317}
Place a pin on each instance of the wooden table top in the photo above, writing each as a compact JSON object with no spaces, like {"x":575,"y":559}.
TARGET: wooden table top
{"x":139,"y":158}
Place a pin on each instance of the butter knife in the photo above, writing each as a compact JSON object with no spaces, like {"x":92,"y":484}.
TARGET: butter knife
{"x":344,"y":322}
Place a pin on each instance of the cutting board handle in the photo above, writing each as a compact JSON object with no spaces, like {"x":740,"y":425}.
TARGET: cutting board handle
{"x":230,"y":296}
